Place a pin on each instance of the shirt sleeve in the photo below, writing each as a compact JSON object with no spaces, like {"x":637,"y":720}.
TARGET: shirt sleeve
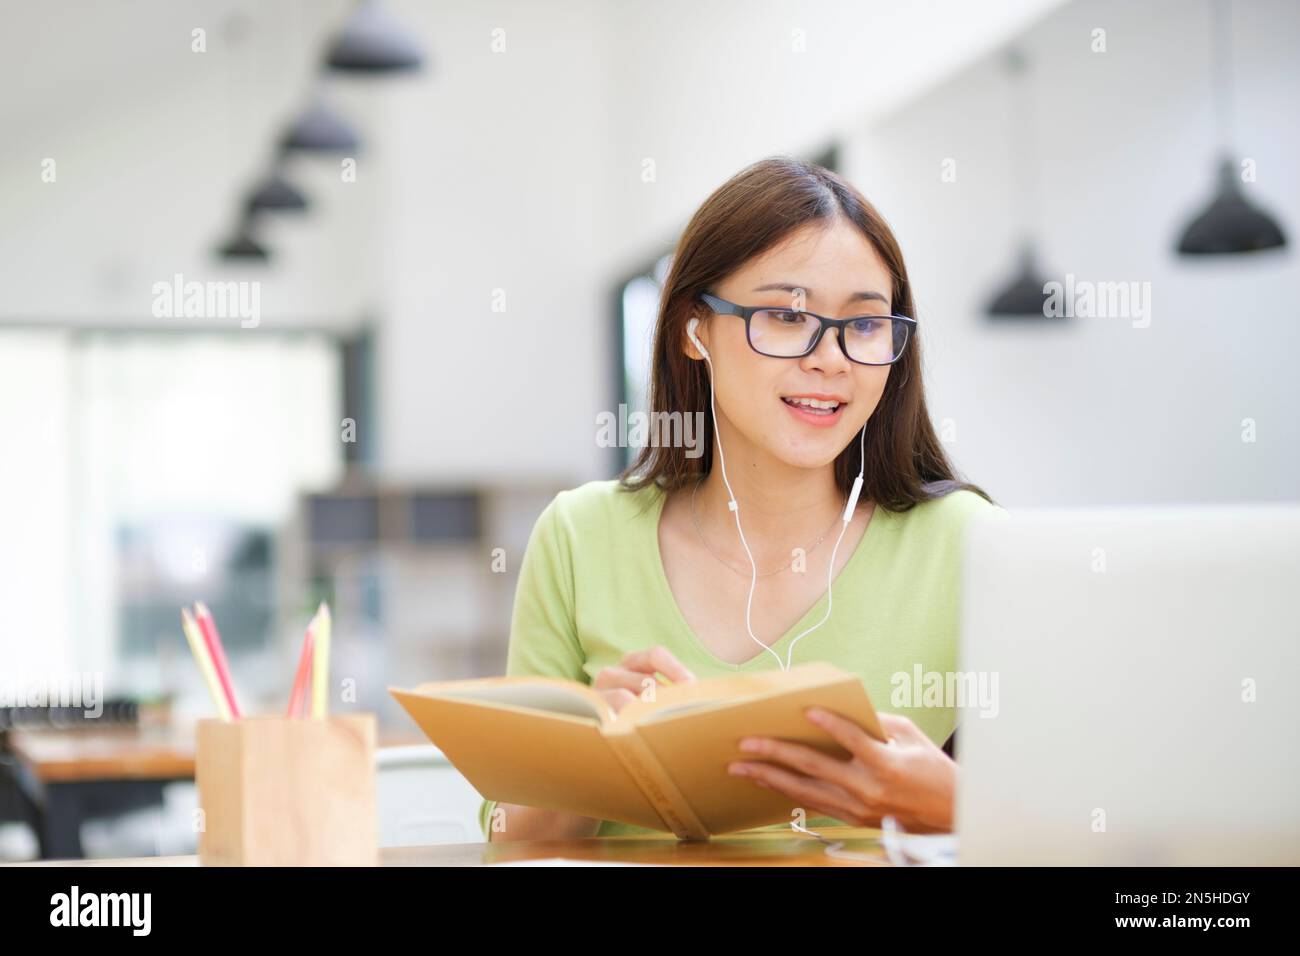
{"x":543,"y":630}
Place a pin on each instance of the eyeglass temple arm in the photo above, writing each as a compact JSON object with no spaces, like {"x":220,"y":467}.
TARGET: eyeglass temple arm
{"x":721,"y":306}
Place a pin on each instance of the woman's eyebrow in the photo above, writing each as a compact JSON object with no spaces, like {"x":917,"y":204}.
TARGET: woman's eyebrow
{"x":868,"y":296}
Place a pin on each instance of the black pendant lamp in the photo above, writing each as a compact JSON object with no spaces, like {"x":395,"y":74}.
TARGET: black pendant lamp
{"x":243,"y":246}
{"x":370,"y":42}
{"x":1023,"y":295}
{"x":277,"y":194}
{"x":373,"y":42}
{"x":320,"y":130}
{"x":1231,"y":224}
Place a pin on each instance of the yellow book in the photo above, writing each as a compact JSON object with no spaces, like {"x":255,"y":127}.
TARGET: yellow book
{"x":659,"y":763}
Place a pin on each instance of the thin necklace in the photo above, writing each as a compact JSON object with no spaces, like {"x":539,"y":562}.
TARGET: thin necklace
{"x":746,"y":574}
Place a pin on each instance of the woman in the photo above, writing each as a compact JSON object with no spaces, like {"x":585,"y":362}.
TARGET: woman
{"x":656,"y":573}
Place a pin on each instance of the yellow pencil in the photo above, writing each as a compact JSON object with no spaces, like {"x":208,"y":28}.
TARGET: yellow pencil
{"x":320,"y":664}
{"x":204,"y":660}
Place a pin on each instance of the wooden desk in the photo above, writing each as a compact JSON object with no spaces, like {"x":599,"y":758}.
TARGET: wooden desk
{"x":76,"y":774}
{"x":81,"y":773}
{"x":770,"y":848}
{"x":121,"y":753}
{"x":118,"y":753}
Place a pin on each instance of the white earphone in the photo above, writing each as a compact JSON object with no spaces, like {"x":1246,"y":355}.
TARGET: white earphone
{"x":690,"y":330}
{"x":735,"y":509}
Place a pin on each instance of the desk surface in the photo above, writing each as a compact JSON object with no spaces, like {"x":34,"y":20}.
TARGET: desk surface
{"x":119,"y":753}
{"x":768,"y":848}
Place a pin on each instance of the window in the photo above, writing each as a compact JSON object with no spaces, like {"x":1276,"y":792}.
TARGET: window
{"x":147,"y":470}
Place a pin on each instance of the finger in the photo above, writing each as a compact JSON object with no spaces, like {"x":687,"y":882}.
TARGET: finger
{"x":618,"y":698}
{"x":806,"y":760}
{"x":609,"y":678}
{"x":849,"y":735}
{"x":659,"y":659}
{"x":824,"y":797}
{"x":896,"y":725}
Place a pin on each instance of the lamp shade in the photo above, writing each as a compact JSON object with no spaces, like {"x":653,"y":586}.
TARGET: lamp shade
{"x":242,"y":246}
{"x":1024,"y":295}
{"x":319,"y":129}
{"x":1230,"y":224}
{"x":277,"y":194}
{"x":373,"y":42}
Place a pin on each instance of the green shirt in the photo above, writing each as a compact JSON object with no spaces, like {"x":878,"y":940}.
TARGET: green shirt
{"x":592,"y":588}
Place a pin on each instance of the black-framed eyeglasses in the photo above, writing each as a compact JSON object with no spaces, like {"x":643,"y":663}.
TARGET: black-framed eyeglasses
{"x":793,"y":333}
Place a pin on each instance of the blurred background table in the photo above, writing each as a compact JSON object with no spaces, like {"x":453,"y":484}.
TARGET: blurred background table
{"x":56,"y":779}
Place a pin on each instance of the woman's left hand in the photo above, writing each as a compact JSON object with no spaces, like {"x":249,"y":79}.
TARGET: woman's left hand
{"x":909,"y":777}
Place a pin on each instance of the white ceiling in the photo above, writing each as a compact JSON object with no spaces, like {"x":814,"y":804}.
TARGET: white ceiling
{"x":155,"y":143}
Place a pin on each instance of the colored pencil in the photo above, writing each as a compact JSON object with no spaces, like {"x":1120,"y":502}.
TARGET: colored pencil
{"x":199,"y":648}
{"x":320,"y":664}
{"x":212,"y":637}
{"x":298,"y":696}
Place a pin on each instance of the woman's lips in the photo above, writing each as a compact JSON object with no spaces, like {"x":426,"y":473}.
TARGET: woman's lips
{"x":816,"y":417}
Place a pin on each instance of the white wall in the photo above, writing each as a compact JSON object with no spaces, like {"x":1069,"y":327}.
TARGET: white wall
{"x":154,"y":148}
{"x":522,"y":171}
{"x":704,"y":89}
{"x":494,"y":174}
{"x":1095,"y":410}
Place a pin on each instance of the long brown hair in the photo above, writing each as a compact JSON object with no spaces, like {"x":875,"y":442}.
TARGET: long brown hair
{"x":746,"y":216}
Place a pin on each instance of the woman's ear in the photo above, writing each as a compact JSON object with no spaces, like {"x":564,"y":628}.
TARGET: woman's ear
{"x":694,"y":346}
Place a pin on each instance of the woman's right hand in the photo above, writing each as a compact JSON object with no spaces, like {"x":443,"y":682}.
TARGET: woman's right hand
{"x":635,"y":673}
{"x":619,"y":686}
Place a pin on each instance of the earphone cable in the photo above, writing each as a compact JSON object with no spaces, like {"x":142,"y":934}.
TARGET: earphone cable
{"x":830,"y":571}
{"x":735,"y":509}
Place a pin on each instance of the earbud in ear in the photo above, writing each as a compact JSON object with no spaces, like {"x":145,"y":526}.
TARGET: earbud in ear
{"x":691,"y":326}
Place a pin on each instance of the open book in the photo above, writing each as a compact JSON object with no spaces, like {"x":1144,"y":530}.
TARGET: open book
{"x":661,"y":763}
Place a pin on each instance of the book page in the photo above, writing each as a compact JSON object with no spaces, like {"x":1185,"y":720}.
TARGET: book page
{"x":661,"y":711}
{"x":544,"y":697}
{"x":674,"y":700}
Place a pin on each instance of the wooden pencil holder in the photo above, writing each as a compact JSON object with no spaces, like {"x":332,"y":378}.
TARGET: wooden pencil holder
{"x":282,"y":791}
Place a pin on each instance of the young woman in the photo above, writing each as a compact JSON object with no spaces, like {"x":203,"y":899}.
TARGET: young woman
{"x":787,"y":319}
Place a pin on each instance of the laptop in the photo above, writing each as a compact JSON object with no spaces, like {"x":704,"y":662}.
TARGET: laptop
{"x":1147,"y":671}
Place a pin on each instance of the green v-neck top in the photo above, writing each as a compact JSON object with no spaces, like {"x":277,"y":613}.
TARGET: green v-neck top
{"x":592,"y":588}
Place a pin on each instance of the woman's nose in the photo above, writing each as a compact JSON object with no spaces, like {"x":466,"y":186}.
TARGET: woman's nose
{"x":828,"y":356}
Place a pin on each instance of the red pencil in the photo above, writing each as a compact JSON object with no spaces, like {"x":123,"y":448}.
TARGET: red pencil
{"x":208,"y":626}
{"x":298,"y":696}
